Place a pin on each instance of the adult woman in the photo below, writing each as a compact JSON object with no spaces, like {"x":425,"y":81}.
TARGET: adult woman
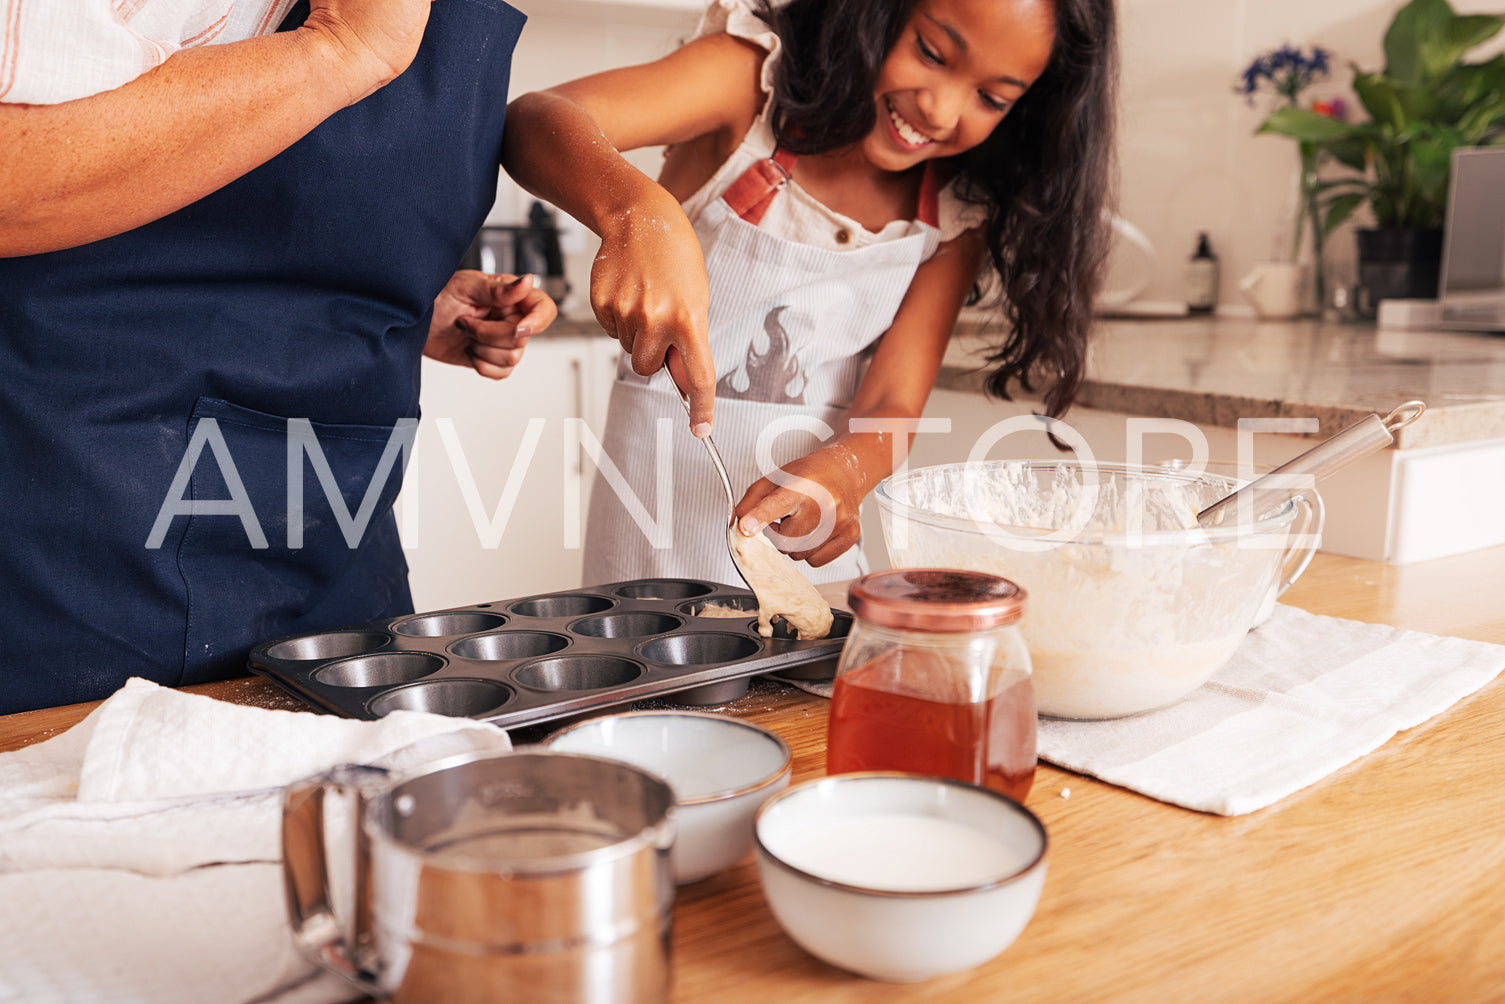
{"x":207,"y":383}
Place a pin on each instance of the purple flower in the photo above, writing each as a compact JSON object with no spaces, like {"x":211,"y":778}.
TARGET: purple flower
{"x":1288,"y":71}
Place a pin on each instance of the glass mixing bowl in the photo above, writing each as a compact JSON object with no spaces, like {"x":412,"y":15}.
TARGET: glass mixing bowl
{"x":1131,"y":605}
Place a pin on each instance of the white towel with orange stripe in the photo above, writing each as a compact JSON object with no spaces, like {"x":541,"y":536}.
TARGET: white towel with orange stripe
{"x":53,"y":51}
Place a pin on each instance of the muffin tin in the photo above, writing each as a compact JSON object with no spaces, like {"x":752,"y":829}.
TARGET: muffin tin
{"x":553,"y":655}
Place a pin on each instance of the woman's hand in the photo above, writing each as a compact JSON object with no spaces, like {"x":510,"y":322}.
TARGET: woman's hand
{"x":814,"y":508}
{"x":484,"y":321}
{"x":649,"y":291}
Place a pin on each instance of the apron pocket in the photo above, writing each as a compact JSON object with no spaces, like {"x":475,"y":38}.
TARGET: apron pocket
{"x":263,"y":555}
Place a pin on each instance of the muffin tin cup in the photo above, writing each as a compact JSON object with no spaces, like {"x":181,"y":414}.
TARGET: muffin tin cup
{"x":546,"y":657}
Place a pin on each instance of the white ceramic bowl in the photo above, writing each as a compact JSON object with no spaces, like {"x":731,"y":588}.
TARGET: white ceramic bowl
{"x":1132,"y":606}
{"x":900,"y":877}
{"x":721,"y":769}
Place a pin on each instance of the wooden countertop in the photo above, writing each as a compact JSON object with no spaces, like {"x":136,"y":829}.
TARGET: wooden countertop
{"x":1383,"y":882}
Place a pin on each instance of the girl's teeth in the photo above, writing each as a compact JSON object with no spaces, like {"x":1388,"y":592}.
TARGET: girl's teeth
{"x":907,"y":132}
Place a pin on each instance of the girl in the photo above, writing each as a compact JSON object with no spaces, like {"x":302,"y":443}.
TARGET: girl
{"x":836,"y":172}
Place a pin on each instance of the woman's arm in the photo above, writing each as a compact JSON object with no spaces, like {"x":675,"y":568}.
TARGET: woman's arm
{"x":838,"y":476}
{"x":83,"y":170}
{"x":648,"y":283}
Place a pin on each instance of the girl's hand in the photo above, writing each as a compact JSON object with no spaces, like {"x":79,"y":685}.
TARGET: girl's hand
{"x":815,"y":513}
{"x":649,"y":291}
{"x":484,"y":321}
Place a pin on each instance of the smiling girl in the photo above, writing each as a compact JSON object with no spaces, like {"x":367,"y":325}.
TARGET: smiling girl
{"x":838,"y":174}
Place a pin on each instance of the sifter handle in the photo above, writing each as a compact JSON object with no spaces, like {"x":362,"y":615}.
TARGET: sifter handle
{"x":1299,"y":474}
{"x":333,"y":942}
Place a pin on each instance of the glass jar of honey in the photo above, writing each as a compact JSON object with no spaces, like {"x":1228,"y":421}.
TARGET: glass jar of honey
{"x":935,"y":678}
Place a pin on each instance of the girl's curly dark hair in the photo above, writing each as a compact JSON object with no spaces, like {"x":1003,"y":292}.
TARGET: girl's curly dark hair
{"x":1045,"y":173}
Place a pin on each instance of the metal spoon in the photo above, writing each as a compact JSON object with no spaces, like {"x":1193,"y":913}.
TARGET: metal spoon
{"x":726,"y":481}
{"x":1277,"y":487}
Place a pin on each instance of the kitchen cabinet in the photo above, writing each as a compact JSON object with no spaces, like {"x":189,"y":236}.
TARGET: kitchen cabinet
{"x":496,"y":488}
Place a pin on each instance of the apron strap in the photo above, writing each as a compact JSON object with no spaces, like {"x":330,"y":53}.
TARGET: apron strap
{"x":930,"y":197}
{"x":753,"y":192}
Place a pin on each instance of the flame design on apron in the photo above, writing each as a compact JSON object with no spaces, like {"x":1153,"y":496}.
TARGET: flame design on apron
{"x":767,"y":375}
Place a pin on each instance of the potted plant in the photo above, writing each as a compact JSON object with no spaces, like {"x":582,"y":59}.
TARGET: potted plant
{"x":1426,"y":102}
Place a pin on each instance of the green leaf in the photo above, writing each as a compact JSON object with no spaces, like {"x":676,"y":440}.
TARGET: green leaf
{"x":1413,"y":40}
{"x":1341,"y":208}
{"x":1306,"y":126}
{"x":1427,"y":39}
{"x":1326,"y":186}
{"x":1351,"y":152}
{"x":1473,"y":29}
{"x":1432,"y":159}
{"x":1378,"y":95}
{"x":1423,"y":104}
{"x":1470,"y":83}
{"x":1480,"y":90}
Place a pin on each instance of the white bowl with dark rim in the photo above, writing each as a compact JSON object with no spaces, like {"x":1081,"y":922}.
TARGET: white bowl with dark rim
{"x":721,"y":769}
{"x":900,"y":877}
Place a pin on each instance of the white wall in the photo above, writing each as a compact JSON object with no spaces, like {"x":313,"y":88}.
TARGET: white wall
{"x":1189,"y":160}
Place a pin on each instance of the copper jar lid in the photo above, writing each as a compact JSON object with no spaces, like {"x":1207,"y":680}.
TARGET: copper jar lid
{"x":936,"y":599}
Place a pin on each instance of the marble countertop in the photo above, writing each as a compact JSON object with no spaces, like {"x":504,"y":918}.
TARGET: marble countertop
{"x":568,"y":326}
{"x":1214,"y":371}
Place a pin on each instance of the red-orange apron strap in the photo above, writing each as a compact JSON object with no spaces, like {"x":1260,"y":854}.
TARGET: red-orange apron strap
{"x":930,"y":196}
{"x":753,"y":192}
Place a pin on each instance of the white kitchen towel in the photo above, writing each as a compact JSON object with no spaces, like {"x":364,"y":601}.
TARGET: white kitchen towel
{"x":140,"y":851}
{"x":1302,"y":696}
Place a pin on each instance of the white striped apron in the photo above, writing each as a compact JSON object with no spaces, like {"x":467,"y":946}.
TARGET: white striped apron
{"x":791,"y":328}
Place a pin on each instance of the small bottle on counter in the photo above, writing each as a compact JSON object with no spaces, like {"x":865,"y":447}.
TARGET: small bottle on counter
{"x":1202,"y":278}
{"x":935,"y":678}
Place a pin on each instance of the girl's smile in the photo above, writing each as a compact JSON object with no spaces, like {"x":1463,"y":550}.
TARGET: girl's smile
{"x":904,"y":134}
{"x":957,"y":68}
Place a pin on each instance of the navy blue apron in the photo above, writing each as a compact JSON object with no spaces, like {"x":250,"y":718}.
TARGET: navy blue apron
{"x":300,"y":291}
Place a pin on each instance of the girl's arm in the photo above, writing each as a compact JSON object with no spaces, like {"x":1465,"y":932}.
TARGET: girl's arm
{"x":648,"y":283}
{"x":895,"y":387}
